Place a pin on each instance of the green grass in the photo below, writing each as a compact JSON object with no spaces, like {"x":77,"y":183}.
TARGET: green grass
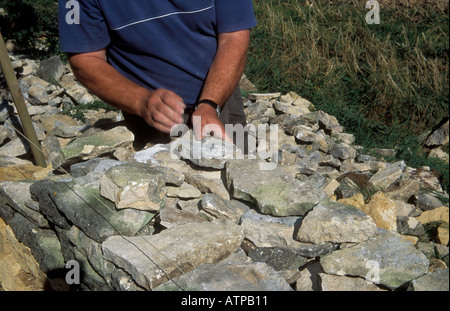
{"x":77,"y":111}
{"x":387,"y":84}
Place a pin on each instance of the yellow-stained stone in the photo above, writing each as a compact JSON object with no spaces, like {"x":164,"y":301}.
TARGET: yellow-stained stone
{"x":19,"y":271}
{"x":383,"y":211}
{"x":410,"y":238}
{"x":434,"y":215}
{"x":356,"y":201}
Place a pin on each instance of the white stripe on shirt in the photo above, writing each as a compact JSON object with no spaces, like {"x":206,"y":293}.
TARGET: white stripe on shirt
{"x":162,"y":16}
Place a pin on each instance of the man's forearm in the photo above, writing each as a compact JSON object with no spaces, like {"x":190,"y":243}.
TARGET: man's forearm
{"x":227,"y":67}
{"x":105,"y":82}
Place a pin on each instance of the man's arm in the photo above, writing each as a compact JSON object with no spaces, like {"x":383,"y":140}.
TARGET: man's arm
{"x":223,"y":77}
{"x":161,"y":108}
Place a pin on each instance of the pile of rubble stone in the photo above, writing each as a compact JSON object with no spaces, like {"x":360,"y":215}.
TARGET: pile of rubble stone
{"x":312,"y":211}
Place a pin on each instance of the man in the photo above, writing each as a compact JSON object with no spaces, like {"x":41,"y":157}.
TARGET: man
{"x":162,"y":62}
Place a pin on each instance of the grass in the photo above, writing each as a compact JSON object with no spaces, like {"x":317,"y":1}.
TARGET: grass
{"x":77,"y":111}
{"x":387,"y":84}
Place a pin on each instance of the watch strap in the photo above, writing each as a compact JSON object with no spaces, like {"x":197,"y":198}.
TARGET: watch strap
{"x":210,"y":103}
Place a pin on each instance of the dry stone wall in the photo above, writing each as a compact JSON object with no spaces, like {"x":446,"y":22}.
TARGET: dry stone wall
{"x":313,"y":211}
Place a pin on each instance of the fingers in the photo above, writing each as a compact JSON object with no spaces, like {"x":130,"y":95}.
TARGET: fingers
{"x":163,"y":110}
{"x":209,"y":125}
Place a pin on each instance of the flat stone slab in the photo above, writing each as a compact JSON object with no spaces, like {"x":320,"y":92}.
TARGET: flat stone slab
{"x":153,"y":260}
{"x":387,"y":259}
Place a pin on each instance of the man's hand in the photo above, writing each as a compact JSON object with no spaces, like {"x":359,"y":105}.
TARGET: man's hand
{"x":206,"y":122}
{"x":162,"y":109}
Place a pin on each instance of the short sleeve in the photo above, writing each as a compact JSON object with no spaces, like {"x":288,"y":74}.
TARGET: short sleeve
{"x":82,"y":27}
{"x":234,"y":15}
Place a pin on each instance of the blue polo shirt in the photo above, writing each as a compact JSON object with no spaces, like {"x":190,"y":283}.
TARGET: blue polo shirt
{"x":155,"y":43}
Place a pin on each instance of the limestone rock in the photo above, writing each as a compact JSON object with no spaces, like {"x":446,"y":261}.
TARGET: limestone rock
{"x":336,"y":283}
{"x":383,"y":211}
{"x":331,"y":221}
{"x":439,"y":137}
{"x":185,"y":191}
{"x":153,"y":260}
{"x":209,"y":152}
{"x":19,"y":270}
{"x":440,"y":214}
{"x":94,"y":146}
{"x":217,"y":207}
{"x":387,"y":259}
{"x":343,"y":151}
{"x":173,"y":217}
{"x":15,"y":148}
{"x":134,"y":185}
{"x":235,"y":273}
{"x":101,"y":219}
{"x":438,"y":280}
{"x":276,"y":192}
{"x":386,"y":177}
{"x":51,"y":69}
{"x":278,"y":258}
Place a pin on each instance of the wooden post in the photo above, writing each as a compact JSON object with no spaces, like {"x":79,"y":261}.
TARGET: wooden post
{"x":25,"y":118}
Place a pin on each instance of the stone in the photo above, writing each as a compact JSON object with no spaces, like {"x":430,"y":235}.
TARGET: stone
{"x":255,"y":110}
{"x":40,"y":192}
{"x":409,"y":226}
{"x":269,"y":231}
{"x":185,"y":192}
{"x":94,"y":165}
{"x":52,"y":122}
{"x":246,"y":85}
{"x":19,"y":270}
{"x":275,"y":192}
{"x":43,"y":243}
{"x":208,"y":182}
{"x":92,"y":251}
{"x":384,"y":178}
{"x":382,"y":210}
{"x":219,"y":208}
{"x":94,"y":146}
{"x":290,"y":109}
{"x":406,"y":189}
{"x":134,"y":185}
{"x":51,"y":69}
{"x":328,"y":122}
{"x":435,"y":281}
{"x":331,"y":221}
{"x":439,"y":137}
{"x":278,"y":258}
{"x":14,"y":148}
{"x":37,"y":94}
{"x":426,"y":201}
{"x":17,"y":195}
{"x":387,"y":259}
{"x":357,"y":201}
{"x":153,"y":260}
{"x":263,"y":96}
{"x":427,"y":178}
{"x":439,"y":154}
{"x":209,"y":152}
{"x":442,"y":234}
{"x":100,"y":218}
{"x":172,"y":217}
{"x":235,"y":273}
{"x":342,"y":151}
{"x":335,"y":283}
{"x":309,"y":279}
{"x":440,"y":214}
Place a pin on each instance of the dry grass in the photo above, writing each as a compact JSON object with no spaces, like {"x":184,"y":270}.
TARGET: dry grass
{"x":392,"y":68}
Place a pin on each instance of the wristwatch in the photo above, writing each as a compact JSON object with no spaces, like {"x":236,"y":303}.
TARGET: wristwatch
{"x":210,"y":103}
